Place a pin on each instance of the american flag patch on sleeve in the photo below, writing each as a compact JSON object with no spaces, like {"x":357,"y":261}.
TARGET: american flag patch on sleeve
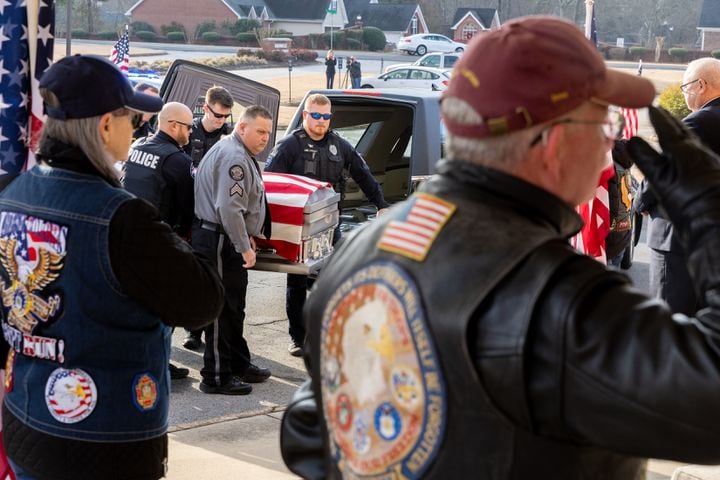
{"x":413,"y":233}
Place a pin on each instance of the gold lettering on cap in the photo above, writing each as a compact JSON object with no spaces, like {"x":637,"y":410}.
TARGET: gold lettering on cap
{"x":526,"y":115}
{"x":558,"y":97}
{"x":471,"y":77}
{"x":497,"y":126}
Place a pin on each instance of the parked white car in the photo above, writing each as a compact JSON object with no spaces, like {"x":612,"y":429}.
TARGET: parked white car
{"x":410,"y":77}
{"x":443,"y":61}
{"x":428,"y":42}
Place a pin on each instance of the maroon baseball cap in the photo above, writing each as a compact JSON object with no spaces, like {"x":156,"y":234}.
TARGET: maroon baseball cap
{"x":533,"y":70}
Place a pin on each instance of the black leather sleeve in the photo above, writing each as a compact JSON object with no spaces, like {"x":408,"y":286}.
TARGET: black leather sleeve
{"x":609,"y":367}
{"x":160,"y":271}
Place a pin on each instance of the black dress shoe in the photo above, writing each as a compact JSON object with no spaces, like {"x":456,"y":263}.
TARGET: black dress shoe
{"x":255,"y":374}
{"x":234,"y":386}
{"x":192,"y":341}
{"x":176,"y":373}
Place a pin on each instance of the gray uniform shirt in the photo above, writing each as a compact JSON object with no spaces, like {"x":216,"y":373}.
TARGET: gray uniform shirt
{"x":229,"y":191}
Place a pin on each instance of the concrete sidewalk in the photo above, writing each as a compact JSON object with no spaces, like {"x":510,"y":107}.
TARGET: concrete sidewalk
{"x":245,"y":448}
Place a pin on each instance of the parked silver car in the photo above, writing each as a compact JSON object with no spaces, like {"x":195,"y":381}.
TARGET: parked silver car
{"x":443,"y":61}
{"x":424,"y":78}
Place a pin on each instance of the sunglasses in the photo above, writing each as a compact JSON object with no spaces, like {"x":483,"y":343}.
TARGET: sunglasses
{"x":318,"y":116}
{"x":187,"y":125}
{"x":217,"y":115}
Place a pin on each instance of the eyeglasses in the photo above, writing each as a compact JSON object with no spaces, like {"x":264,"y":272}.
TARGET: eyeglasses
{"x":318,"y":116}
{"x":187,"y":125}
{"x":137,"y":120}
{"x":684,"y":86}
{"x":612,"y":127}
{"x":218,"y":115}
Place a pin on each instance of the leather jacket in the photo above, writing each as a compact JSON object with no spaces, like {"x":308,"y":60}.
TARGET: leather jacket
{"x":559,"y":368}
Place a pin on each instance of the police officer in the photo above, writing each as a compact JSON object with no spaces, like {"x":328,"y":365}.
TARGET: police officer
{"x":159,"y":171}
{"x":206,"y":132}
{"x":231,"y":210}
{"x":317,"y":152}
{"x":210,"y":128}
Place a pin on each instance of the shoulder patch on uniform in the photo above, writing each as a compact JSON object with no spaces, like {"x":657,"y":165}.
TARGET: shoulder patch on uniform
{"x":383,"y":391}
{"x":237,"y":173}
{"x":414,"y":232}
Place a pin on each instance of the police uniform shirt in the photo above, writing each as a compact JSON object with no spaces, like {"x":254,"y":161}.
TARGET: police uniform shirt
{"x":202,"y":140}
{"x":287,"y":157}
{"x":229,"y":191}
{"x":176,"y":170}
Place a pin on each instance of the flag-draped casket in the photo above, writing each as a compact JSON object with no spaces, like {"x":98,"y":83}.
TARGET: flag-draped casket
{"x":304,"y":214}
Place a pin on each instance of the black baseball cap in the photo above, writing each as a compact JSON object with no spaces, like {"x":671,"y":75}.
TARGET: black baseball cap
{"x":89,"y":86}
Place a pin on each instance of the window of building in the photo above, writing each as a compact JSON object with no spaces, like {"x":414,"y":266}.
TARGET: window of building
{"x":469,"y":31}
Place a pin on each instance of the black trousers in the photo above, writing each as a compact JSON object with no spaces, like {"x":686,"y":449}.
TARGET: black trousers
{"x":226,"y":351}
{"x":670,"y":280}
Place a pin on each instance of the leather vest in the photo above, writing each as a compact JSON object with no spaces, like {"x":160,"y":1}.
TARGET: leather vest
{"x":427,"y":293}
{"x":324,"y":161}
{"x":143,"y":171}
{"x":86,"y":361}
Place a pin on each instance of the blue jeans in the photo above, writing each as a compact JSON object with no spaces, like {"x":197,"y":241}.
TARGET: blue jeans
{"x":20,"y":474}
{"x":355,"y":82}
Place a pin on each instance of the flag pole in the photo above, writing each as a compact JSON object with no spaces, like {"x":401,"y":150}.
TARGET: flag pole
{"x":588,"y":17}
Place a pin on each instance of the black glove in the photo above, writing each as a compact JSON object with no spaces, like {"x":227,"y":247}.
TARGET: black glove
{"x":685,"y":177}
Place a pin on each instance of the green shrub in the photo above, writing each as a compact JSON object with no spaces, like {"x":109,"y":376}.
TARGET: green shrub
{"x":374,"y":39}
{"x":244,"y":25}
{"x":173,"y":27}
{"x":678,"y":53}
{"x":176,"y":36}
{"x":338,"y":38}
{"x":107,"y":35}
{"x":146,"y":36}
{"x":672,"y":100}
{"x":79,"y":33}
{"x":210,"y":37}
{"x":246,"y":37}
{"x":616,"y":53}
{"x":141,"y":27}
{"x":715,"y":54}
{"x":353,"y":44}
{"x":638,"y":52}
{"x":203,"y":27}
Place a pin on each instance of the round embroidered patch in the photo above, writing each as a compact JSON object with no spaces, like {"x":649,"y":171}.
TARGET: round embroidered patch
{"x":145,"y":392}
{"x":70,"y":395}
{"x":384,"y":397}
{"x":237,"y":173}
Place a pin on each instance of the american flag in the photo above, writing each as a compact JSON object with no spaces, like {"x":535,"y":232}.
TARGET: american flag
{"x":595,"y":213}
{"x":631,"y":115}
{"x":414,"y":232}
{"x":287,"y":196}
{"x":120,"y":55}
{"x":26,"y":51}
